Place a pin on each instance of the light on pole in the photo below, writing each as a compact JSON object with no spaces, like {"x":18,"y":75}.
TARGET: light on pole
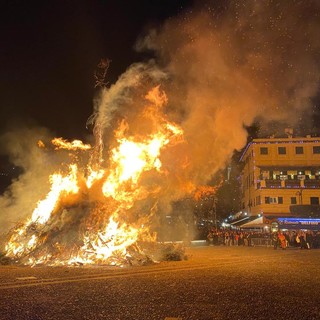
{"x":299,"y":193}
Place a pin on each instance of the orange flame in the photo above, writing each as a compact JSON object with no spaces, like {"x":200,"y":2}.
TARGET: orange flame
{"x":73,"y":145}
{"x":107,"y":194}
{"x":204,"y":191}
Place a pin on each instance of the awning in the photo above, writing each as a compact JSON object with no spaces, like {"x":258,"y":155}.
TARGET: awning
{"x":239,"y":221}
{"x":257,"y":223}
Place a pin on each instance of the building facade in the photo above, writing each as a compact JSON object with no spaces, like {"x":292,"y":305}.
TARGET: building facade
{"x":280,"y":175}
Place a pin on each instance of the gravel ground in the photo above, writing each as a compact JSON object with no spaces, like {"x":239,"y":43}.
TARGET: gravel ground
{"x":214,"y":283}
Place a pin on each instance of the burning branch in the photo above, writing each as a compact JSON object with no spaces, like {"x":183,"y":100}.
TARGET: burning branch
{"x":101,"y":73}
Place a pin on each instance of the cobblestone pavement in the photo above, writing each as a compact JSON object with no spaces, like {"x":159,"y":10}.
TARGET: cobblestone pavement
{"x":214,"y":283}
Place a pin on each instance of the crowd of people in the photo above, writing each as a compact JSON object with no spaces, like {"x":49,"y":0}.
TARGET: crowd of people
{"x":229,"y":237}
{"x":299,"y":238}
{"x":280,"y":239}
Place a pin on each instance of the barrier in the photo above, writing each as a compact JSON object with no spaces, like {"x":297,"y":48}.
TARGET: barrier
{"x":263,"y":242}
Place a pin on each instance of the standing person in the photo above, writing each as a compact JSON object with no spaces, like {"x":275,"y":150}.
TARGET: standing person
{"x":303,"y":243}
{"x":275,"y":240}
{"x":227,"y":238}
{"x":297,"y":240}
{"x":210,"y":238}
{"x":249,"y":236}
{"x":286,"y":235}
{"x":215,"y":238}
{"x":232,"y":238}
{"x":282,"y":240}
{"x":245,"y":239}
{"x":316,"y":240}
{"x":241,"y":240}
{"x":309,"y":240}
{"x":236,"y":239}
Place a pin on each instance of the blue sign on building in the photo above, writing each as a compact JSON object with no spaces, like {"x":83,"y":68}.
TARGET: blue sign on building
{"x":299,"y":223}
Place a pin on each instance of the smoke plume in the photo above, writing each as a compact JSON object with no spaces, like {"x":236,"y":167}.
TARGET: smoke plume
{"x":248,"y":60}
{"x":221,"y":69}
{"x":37,"y":164}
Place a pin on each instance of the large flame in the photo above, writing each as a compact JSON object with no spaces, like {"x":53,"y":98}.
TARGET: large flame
{"x":83,"y":218}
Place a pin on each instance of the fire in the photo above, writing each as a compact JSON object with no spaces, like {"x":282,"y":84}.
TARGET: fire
{"x":41,"y":144}
{"x":94,"y":176}
{"x":73,"y":145}
{"x":84,"y":216}
{"x":113,"y":241}
{"x":203,"y":192}
{"x":59,"y":185}
{"x":132,"y":158}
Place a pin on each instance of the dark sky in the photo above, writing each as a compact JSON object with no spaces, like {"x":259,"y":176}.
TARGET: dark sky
{"x":49,"y":51}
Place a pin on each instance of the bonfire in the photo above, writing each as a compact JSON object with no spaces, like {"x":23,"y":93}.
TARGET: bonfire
{"x":89,"y":216}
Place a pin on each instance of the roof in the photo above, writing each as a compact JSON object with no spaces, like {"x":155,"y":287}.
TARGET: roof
{"x":279,"y":140}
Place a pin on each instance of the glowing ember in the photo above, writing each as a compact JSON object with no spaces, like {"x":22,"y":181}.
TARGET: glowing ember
{"x":84,"y":217}
{"x":41,"y":144}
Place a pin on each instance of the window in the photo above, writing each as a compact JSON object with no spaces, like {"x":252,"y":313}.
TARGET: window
{"x":293,"y":200}
{"x":299,"y":150}
{"x":258,"y":201}
{"x":263,"y":150}
{"x":280,"y":200}
{"x":316,"y":150}
{"x":269,"y":200}
{"x":282,"y":150}
{"x":314,"y":200}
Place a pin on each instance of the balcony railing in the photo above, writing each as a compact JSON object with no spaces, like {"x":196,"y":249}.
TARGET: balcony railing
{"x":273,"y":183}
{"x":294,"y":184}
{"x":312,"y":183}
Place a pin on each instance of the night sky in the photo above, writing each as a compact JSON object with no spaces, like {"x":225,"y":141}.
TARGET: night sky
{"x":50,"y":49}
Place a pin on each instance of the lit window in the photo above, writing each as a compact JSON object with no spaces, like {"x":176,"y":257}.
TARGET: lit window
{"x":269,"y":200}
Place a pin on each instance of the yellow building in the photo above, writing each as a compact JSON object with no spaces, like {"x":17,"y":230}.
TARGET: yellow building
{"x":280,"y":174}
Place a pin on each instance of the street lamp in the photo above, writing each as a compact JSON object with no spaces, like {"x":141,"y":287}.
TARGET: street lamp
{"x":299,"y":193}
{"x":214,"y":211}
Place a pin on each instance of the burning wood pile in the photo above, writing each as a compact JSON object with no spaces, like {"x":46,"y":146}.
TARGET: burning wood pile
{"x":100,"y":212}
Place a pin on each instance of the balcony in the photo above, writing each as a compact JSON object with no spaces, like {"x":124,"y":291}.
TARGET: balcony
{"x":273,"y":183}
{"x":293,"y":184}
{"x":312,"y":184}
